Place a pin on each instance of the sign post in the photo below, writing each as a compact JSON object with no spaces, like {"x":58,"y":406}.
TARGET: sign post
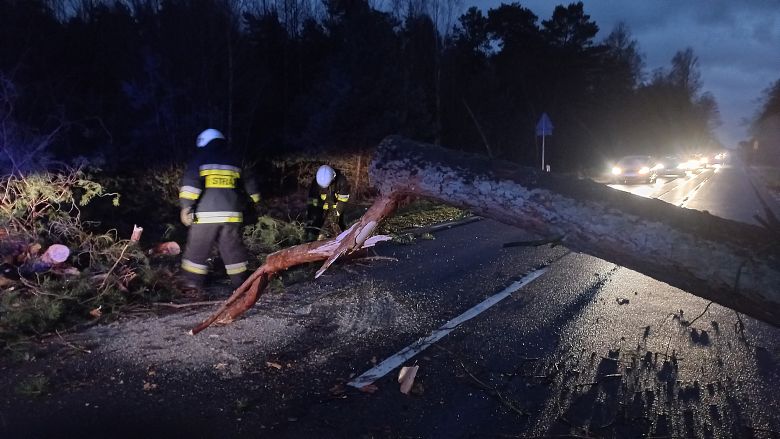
{"x":544,"y":128}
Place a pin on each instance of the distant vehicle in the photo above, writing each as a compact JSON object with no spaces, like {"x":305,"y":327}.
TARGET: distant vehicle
{"x":671,"y":165}
{"x":635,"y":169}
{"x":696,"y":162}
{"x":719,"y":158}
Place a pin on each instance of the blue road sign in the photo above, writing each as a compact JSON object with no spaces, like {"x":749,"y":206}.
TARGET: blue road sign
{"x":544,"y":127}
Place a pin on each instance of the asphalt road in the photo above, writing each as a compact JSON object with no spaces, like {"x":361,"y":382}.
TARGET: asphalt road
{"x":587,"y":349}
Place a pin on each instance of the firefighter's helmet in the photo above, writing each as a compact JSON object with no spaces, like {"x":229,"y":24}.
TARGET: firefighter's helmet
{"x":207,"y":136}
{"x":325,"y":175}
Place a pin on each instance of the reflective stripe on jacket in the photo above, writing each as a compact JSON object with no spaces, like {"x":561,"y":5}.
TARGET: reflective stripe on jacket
{"x":213,"y":182}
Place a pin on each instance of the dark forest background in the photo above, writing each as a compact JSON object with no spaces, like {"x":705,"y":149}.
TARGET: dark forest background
{"x":131,"y":83}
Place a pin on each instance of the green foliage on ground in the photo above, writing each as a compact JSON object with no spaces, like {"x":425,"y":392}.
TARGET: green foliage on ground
{"x":102,"y":275}
{"x":46,"y":204}
{"x":420,"y":213}
{"x":268,"y":235}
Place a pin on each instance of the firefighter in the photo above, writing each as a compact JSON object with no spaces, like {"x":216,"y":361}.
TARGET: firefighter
{"x":211,"y":206}
{"x":328,"y":195}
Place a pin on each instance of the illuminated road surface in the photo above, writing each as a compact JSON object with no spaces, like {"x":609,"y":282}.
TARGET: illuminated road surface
{"x":590,"y":349}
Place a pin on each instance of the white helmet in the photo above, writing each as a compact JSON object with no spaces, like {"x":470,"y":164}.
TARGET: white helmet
{"x":325,"y":175}
{"x":207,"y":136}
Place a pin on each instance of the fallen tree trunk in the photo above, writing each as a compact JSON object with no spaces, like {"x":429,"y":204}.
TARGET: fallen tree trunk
{"x":731,"y":263}
{"x":734,"y":264}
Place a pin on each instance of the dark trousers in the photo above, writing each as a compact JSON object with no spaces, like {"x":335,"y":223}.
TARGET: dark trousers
{"x":201,"y":238}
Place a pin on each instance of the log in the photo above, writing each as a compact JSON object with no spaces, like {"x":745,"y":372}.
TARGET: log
{"x":731,"y":263}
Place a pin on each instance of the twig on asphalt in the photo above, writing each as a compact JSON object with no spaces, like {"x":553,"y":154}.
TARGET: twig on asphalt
{"x":663,"y":321}
{"x":187,"y":305}
{"x":493,"y":391}
{"x":699,"y":316}
{"x":739,"y":328}
{"x":535,"y":243}
{"x":71,"y":345}
{"x":666,"y":354}
{"x":378,"y":258}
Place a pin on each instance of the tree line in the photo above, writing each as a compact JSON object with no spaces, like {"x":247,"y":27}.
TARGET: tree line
{"x":131,"y":82}
{"x":764,"y":145}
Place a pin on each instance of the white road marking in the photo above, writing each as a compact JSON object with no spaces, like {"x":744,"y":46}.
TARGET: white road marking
{"x":413,"y":349}
{"x":689,"y":196}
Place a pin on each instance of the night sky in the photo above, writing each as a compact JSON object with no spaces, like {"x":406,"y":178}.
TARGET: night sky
{"x":737,"y":43}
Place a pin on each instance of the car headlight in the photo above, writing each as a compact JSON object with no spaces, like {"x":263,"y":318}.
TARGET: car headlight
{"x":682,"y":166}
{"x":616,"y":171}
{"x":644,"y":170}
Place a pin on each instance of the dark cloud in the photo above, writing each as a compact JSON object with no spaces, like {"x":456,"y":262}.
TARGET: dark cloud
{"x":737,"y":44}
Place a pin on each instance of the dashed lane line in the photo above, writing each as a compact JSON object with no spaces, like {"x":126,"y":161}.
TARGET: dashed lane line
{"x":689,"y":196}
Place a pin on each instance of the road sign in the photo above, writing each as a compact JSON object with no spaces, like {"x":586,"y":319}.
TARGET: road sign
{"x":544,"y":127}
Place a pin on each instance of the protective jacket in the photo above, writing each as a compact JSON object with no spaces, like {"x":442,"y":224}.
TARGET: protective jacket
{"x":332,"y":197}
{"x":326,"y":206}
{"x":213,"y":183}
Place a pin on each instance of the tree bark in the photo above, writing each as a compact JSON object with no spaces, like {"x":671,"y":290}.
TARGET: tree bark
{"x":734,"y":264}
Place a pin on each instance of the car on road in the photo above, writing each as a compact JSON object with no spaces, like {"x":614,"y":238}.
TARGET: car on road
{"x":635,"y":169}
{"x":671,"y":165}
{"x":694,"y":162}
{"x":719,"y":158}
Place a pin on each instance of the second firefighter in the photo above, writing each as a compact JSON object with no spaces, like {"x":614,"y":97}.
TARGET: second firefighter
{"x":328,"y":196}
